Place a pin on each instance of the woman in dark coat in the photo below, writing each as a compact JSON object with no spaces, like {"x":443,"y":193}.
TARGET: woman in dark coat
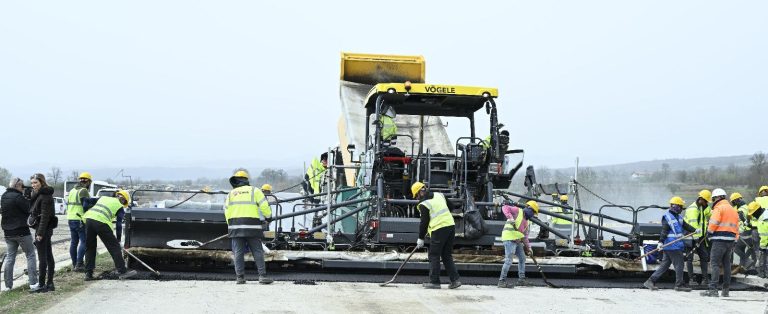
{"x":43,"y":207}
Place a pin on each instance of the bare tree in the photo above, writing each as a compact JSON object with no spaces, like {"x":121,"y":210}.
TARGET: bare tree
{"x":73,"y":175}
{"x":758,"y":169}
{"x":5,"y":176}
{"x":55,"y":175}
{"x":665,"y":172}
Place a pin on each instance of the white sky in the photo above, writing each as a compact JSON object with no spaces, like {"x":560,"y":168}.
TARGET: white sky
{"x":208,"y":83}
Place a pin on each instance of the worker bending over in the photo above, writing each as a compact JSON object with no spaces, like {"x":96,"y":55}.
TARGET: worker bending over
{"x":723,"y":232}
{"x":515,"y":239}
{"x":437,"y":221}
{"x":99,"y":222}
{"x":673,"y":227}
{"x":246,"y":210}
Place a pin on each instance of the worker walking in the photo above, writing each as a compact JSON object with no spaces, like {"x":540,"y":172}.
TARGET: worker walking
{"x":723,"y":232}
{"x":697,"y":215}
{"x":673,"y":227}
{"x":437,"y":222}
{"x":246,"y":210}
{"x":76,"y":221}
{"x":515,"y":239}
{"x":762,"y":230}
{"x":314,"y":176}
{"x":745,"y":247}
{"x":98,"y":222}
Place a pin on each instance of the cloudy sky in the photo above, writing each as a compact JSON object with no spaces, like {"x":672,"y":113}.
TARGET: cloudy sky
{"x":208,"y":83}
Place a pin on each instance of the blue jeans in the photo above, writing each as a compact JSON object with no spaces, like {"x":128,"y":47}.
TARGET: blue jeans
{"x":28,"y":246}
{"x":77,"y":243}
{"x":512,"y":248}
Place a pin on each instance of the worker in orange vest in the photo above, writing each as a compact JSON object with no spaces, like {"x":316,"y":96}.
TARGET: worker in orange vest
{"x":723,"y":232}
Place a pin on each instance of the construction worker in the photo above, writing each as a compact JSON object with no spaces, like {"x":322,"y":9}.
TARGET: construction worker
{"x":75,"y":219}
{"x":98,"y":222}
{"x":559,"y":222}
{"x":762,"y":201}
{"x":388,"y":126}
{"x":515,"y":239}
{"x":673,"y":228}
{"x":246,"y":210}
{"x":266,"y":188}
{"x":762,"y":230}
{"x":745,"y":247}
{"x":697,"y":215}
{"x":723,"y":232}
{"x":314,"y":176}
{"x":437,"y":222}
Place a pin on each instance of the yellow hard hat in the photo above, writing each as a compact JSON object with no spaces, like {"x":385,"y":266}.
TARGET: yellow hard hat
{"x":555,"y":195}
{"x":706,"y":195}
{"x":266,"y":187}
{"x":563,"y":198}
{"x":762,"y":188}
{"x":677,"y":200}
{"x":754,"y":206}
{"x":85,"y":175}
{"x":416,"y":187}
{"x":735,"y":196}
{"x":125,"y":195}
{"x":241,"y":174}
{"x":533,"y":205}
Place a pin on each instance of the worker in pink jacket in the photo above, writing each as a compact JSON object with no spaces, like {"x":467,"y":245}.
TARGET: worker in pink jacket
{"x":515,"y":239}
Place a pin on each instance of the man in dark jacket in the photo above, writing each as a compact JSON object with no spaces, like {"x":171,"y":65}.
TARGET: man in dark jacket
{"x":673,"y":228}
{"x":15,"y":211}
{"x":437,"y":221}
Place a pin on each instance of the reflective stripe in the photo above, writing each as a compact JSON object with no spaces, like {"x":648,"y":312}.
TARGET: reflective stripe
{"x":510,"y":229}
{"x":674,"y":235}
{"x":442,"y":211}
{"x":723,"y":238}
{"x":244,"y":227}
{"x":764,"y":234}
{"x":104,"y":210}
{"x":427,"y":205}
{"x":723,"y":224}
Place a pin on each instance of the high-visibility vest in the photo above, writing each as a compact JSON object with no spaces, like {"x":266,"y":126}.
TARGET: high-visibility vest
{"x":675,"y":232}
{"x":762,"y":229}
{"x":511,"y":231}
{"x":104,"y":211}
{"x":697,"y":218}
{"x":559,"y":221}
{"x":244,"y":210}
{"x":746,"y":224}
{"x":74,"y":206}
{"x":439,"y":214}
{"x":763,"y":201}
{"x":388,"y":128}
{"x":724,"y":223}
{"x":315,"y":174}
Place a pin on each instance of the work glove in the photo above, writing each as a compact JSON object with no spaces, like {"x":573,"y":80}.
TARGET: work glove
{"x":419,"y":243}
{"x":698,"y":230}
{"x":659,"y":246}
{"x":528,"y":252}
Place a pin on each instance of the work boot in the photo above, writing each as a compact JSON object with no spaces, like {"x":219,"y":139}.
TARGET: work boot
{"x":705,"y":282}
{"x":650,"y":285}
{"x":505,"y":284}
{"x":240,"y":280}
{"x":454,"y":284}
{"x":683,"y":289}
{"x":50,"y":287}
{"x":79,"y":268}
{"x":709,"y":293}
{"x":725,"y":293}
{"x":264,"y":280}
{"x":127,"y":274}
{"x":42,"y":289}
{"x":429,"y":285}
{"x":522,"y":282}
{"x":89,"y":276}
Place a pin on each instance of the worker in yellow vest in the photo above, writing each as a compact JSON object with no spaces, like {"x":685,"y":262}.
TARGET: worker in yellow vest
{"x":762,"y":202}
{"x":246,"y":211}
{"x":697,"y":215}
{"x":388,"y":126}
{"x":314,"y":176}
{"x":266,"y":188}
{"x":98,"y":222}
{"x":76,"y":222}
{"x":437,"y":222}
{"x":559,"y":222}
{"x":762,"y":231}
{"x":515,"y":239}
{"x":745,"y":247}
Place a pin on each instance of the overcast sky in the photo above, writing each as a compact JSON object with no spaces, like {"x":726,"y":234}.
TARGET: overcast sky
{"x":207,"y":83}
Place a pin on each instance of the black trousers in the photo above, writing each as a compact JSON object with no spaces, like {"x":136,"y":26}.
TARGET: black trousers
{"x":441,"y":248}
{"x":702,"y":250}
{"x":46,"y":265}
{"x":107,"y":236}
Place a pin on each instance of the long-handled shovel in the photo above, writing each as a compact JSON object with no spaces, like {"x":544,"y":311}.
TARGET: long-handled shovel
{"x":541,"y":271}
{"x":665,"y":245}
{"x":399,"y":269}
{"x":191,"y":244}
{"x":142,"y":262}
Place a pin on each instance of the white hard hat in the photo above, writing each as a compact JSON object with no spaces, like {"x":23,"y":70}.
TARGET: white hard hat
{"x":718,"y":192}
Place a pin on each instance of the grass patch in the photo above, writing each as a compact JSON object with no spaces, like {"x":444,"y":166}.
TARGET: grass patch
{"x":67,"y":283}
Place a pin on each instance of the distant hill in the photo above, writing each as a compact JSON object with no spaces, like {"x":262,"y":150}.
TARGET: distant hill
{"x":675,"y":164}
